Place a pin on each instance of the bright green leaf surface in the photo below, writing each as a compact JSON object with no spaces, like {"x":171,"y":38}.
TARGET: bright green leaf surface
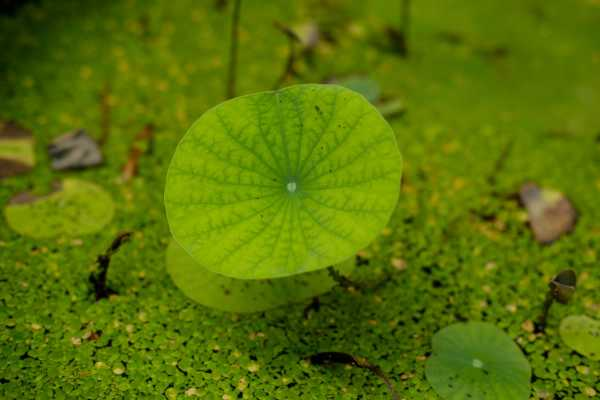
{"x":78,"y":208}
{"x":243,"y":295}
{"x":582,"y":334}
{"x":278,"y":183}
{"x":477,"y":361}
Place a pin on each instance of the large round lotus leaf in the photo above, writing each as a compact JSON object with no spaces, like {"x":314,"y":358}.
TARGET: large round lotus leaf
{"x":76,"y":207}
{"x":582,"y":334}
{"x":279,"y":183}
{"x":475,"y":361}
{"x":243,"y":295}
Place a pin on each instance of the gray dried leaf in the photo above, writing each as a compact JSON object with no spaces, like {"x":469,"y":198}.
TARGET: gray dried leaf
{"x":74,"y":150}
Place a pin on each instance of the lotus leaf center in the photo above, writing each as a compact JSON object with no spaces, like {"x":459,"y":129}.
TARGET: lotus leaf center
{"x":291,"y":186}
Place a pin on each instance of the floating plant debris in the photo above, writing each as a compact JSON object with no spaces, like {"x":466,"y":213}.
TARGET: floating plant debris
{"x":75,"y":150}
{"x":551,"y":214}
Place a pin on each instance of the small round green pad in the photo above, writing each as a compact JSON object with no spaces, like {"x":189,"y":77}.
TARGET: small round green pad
{"x":243,"y":295}
{"x":279,"y":183}
{"x":477,"y":361}
{"x":582,"y":334}
{"x":76,"y":207}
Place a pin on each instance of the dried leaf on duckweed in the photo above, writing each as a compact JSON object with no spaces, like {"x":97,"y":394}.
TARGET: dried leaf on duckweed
{"x":73,"y":208}
{"x":550,"y":213}
{"x":16,"y":149}
{"x":476,"y":360}
{"x":74,"y":150}
{"x":240,"y":295}
{"x":563,"y":286}
{"x":582,"y":334}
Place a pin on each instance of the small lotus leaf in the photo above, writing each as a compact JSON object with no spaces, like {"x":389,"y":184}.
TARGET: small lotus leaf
{"x":477,"y":361}
{"x":75,"y":207}
{"x":582,"y":334}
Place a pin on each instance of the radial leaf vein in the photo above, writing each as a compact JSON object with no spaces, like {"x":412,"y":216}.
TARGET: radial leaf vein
{"x":256,"y":235}
{"x":324,"y":130}
{"x":229,"y":132}
{"x":283,"y":134}
{"x":338,"y":145}
{"x":256,"y":106}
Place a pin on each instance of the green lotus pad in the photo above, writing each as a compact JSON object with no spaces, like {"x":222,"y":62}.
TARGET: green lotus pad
{"x":476,"y":360}
{"x":582,"y":334}
{"x":243,"y":295}
{"x":283,"y":182}
{"x":76,"y":207}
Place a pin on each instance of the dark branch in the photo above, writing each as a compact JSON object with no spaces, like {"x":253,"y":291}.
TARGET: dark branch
{"x":500,"y":162}
{"x":335,"y":357}
{"x":340,"y":279}
{"x":315,"y":305}
{"x":99,"y":279}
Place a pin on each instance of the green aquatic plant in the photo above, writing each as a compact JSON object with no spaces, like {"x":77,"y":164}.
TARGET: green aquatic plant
{"x":283,"y":182}
{"x":561,"y":289}
{"x":476,"y":360}
{"x":582,"y":334}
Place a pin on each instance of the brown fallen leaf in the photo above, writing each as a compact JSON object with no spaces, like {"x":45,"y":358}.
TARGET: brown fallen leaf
{"x":550,"y":213}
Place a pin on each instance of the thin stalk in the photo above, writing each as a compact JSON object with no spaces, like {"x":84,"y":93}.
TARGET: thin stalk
{"x":105,"y":110}
{"x":405,"y":21}
{"x":288,"y":69}
{"x":233,"y":50}
{"x":541,"y":326}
